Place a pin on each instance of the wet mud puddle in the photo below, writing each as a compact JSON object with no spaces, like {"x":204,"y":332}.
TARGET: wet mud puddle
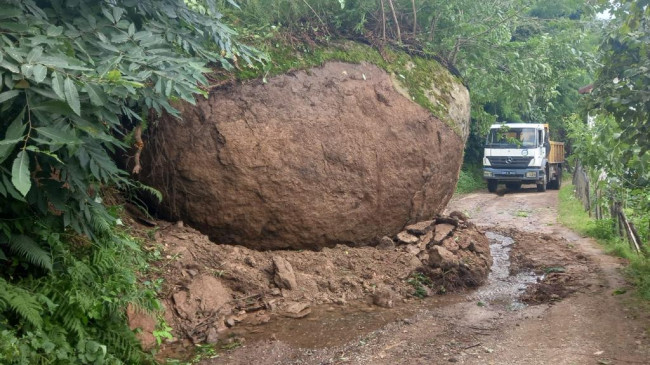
{"x":502,"y":288}
{"x":331,"y":326}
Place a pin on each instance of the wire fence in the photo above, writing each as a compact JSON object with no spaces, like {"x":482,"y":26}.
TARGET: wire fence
{"x":595,"y":198}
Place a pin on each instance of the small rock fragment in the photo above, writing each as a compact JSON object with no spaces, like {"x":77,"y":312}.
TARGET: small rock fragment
{"x":450,"y":244}
{"x":250,"y":261}
{"x":296,"y":310}
{"x":419,"y":228}
{"x":412,"y":249}
{"x":441,"y":257}
{"x":230,"y":322}
{"x":442,"y":231}
{"x":423,"y":256}
{"x":386,"y":243}
{"x":213,"y":336}
{"x":425,"y":240}
{"x":284,"y":277}
{"x":406,"y":238}
{"x":383,"y":298}
{"x":459,"y":215}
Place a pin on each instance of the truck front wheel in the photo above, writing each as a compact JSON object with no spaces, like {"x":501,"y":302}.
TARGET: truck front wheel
{"x":542,"y":187}
{"x":492,"y":185}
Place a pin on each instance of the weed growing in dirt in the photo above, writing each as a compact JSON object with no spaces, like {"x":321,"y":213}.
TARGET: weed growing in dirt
{"x":572,"y":215}
{"x":522,"y":214}
{"x":549,"y":270}
{"x":163,"y":331}
{"x":419,"y":281}
{"x":232,"y":345}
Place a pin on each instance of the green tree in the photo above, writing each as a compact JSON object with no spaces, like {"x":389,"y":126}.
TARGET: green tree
{"x":622,"y":88}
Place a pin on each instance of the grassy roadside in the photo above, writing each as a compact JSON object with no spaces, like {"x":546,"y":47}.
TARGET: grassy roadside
{"x":470,"y":179}
{"x":572,"y":215}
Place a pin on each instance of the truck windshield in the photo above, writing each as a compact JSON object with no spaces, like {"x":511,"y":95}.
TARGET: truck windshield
{"x":506,"y":137}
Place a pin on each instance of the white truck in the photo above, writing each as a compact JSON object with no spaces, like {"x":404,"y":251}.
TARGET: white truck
{"x":522,"y":153}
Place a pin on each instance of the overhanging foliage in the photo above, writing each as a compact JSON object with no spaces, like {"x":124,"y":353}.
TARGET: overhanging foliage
{"x":74,"y":76}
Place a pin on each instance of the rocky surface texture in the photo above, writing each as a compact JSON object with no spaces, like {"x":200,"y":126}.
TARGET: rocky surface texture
{"x":209,"y":288}
{"x":311,"y":159}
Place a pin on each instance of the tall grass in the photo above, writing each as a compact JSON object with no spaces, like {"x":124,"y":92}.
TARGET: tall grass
{"x":470,"y":179}
{"x":572,"y":215}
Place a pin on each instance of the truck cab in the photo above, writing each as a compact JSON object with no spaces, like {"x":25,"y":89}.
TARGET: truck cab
{"x":522,"y":153}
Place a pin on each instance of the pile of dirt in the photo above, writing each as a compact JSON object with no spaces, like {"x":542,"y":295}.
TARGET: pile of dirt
{"x":330,"y":155}
{"x":560,"y":267}
{"x":210,"y":287}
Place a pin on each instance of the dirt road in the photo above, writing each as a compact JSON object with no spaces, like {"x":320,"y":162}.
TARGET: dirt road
{"x":553,"y":298}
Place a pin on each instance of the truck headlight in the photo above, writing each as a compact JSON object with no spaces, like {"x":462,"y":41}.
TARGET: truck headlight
{"x":531,"y":174}
{"x":487,"y":174}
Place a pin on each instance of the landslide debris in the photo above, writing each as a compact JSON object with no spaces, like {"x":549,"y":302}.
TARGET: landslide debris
{"x":209,"y":288}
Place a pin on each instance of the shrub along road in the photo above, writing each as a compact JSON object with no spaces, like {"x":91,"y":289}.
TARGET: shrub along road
{"x":575,"y":309}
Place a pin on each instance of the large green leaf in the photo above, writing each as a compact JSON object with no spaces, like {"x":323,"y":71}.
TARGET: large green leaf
{"x":57,"y":85}
{"x":72,"y":95}
{"x":39,"y":73}
{"x":96,"y":94}
{"x":8,"y":95}
{"x":57,"y":135}
{"x":14,"y":132}
{"x":20,"y":173}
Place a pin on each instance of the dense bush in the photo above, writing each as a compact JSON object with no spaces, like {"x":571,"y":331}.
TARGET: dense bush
{"x":75,"y":75}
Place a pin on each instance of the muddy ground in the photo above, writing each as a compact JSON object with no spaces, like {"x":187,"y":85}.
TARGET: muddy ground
{"x":553,"y":297}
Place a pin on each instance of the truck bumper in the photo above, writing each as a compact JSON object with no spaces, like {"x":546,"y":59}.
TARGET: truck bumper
{"x":527,"y":175}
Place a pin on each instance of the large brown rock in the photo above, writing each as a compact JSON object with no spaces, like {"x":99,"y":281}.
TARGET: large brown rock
{"x":334,"y":154}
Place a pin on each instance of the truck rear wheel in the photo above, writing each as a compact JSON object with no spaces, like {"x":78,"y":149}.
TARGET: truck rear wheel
{"x":492,"y":185}
{"x":555,"y":184}
{"x":541,"y":187}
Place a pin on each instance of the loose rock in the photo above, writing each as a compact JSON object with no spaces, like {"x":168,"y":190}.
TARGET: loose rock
{"x":442,"y":231}
{"x":459,"y":215}
{"x":383,"y":298}
{"x":296,"y":310}
{"x":420,"y":228}
{"x":406,"y":238}
{"x":443,"y":258}
{"x":284,"y":277}
{"x":386,"y":243}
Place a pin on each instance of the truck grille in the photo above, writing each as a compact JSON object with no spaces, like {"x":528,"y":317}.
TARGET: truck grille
{"x":509,"y":162}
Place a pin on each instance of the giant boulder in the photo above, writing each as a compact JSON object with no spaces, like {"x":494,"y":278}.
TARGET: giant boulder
{"x":334,"y":154}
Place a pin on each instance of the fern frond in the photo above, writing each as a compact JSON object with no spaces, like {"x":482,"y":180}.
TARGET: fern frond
{"x":103,"y":260}
{"x":21,"y":302}
{"x":123,"y":342}
{"x":30,"y":251}
{"x":100,"y":220}
{"x":155,"y":192}
{"x":71,"y":321}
